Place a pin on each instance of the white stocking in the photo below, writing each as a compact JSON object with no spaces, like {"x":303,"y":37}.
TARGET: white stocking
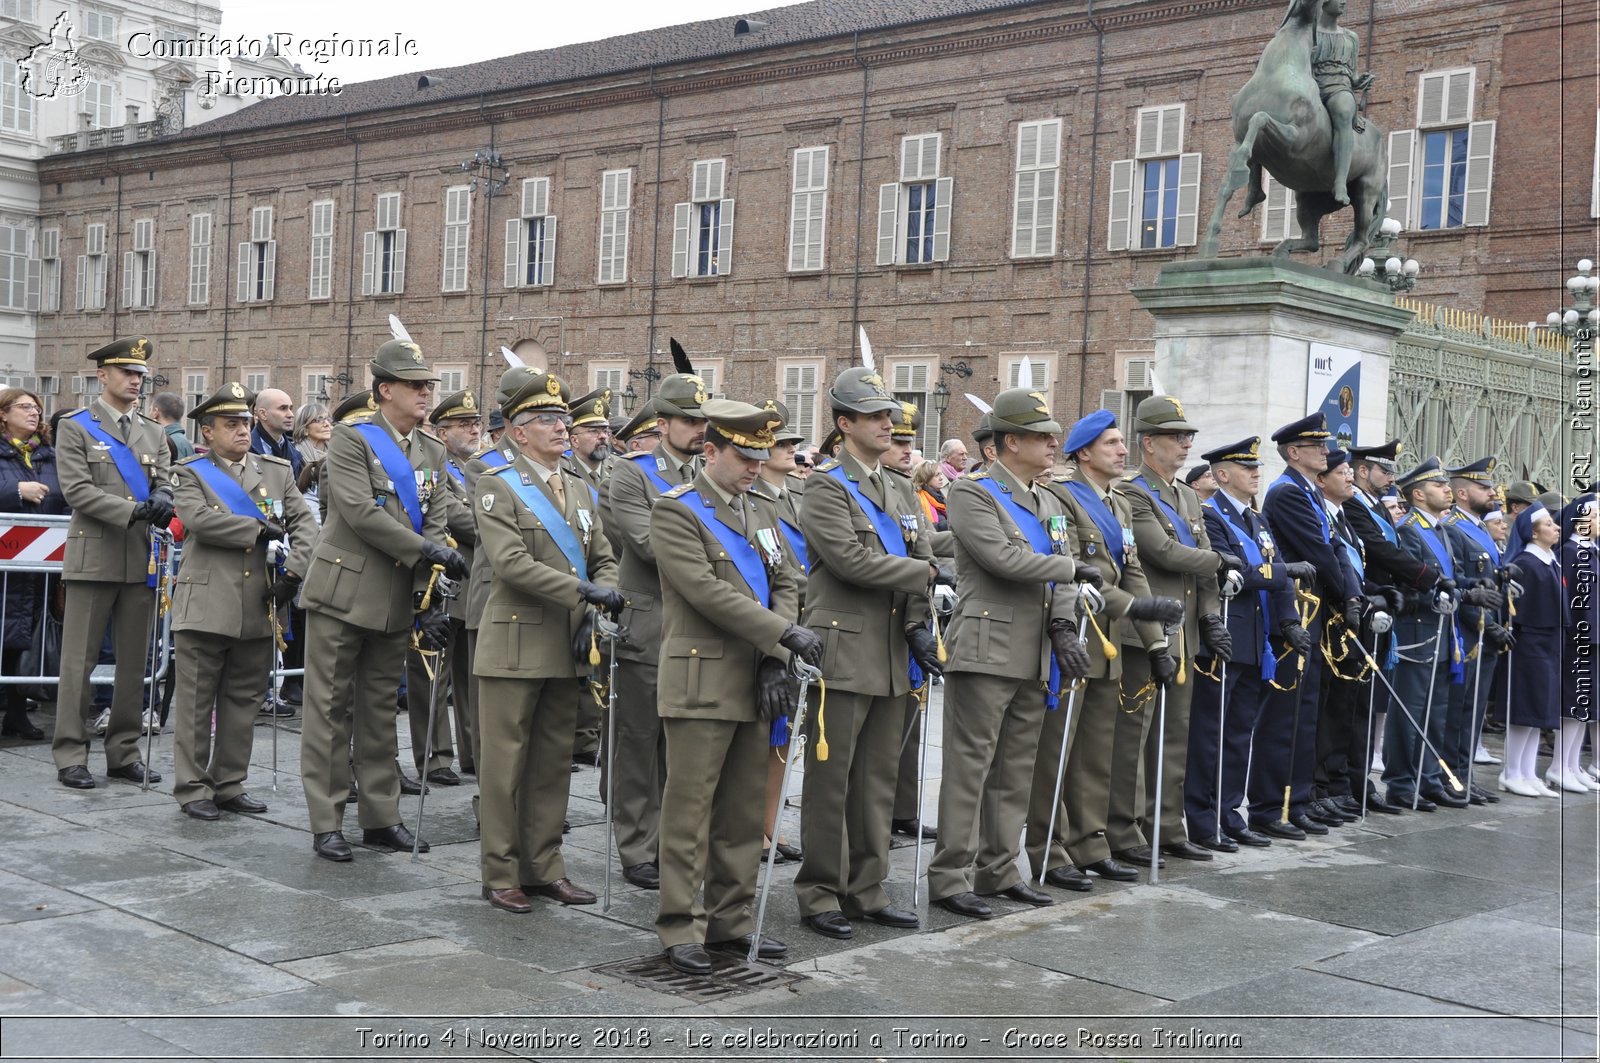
{"x":1517,"y":740}
{"x":1571,"y":744}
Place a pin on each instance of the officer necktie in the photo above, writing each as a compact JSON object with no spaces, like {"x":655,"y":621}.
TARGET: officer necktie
{"x":559,"y":490}
{"x":877,"y":488}
{"x":125,"y":423}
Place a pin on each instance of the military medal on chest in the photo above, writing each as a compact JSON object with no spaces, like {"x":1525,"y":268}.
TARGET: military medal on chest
{"x":767,"y":542}
{"x":1057,"y":527}
{"x":585,"y":525}
{"x":908,"y":527}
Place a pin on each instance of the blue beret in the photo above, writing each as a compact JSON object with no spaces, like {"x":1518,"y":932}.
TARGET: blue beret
{"x":1087,"y":430}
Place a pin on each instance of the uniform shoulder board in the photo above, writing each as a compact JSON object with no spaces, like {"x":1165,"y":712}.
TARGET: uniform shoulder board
{"x":191,"y":459}
{"x":830,"y":464}
{"x":273,"y":458}
{"x":981,"y":474}
{"x":678,"y":492}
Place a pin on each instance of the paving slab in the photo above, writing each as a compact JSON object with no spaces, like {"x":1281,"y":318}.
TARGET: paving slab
{"x":19,"y":998}
{"x":1577,"y":910}
{"x":85,"y":1038}
{"x":81,"y":858}
{"x":23,"y":899}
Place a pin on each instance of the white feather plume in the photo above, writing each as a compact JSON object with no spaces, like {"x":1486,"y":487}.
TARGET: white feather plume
{"x":510,"y":356}
{"x":866,"y":351}
{"x":983,"y":407}
{"x":398,"y":331}
{"x":1025,"y":374}
{"x":1155,"y":385}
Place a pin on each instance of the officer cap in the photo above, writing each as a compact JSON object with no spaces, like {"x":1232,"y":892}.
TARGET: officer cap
{"x":1195,"y":473}
{"x":680,"y":395}
{"x":456,"y":404}
{"x":648,"y":419}
{"x":831,"y":442}
{"x":907,"y":422}
{"x":594,"y":408}
{"x":132,"y":354}
{"x":751,"y":429}
{"x":1428,"y":470}
{"x":1022,"y":410}
{"x":544,"y":393}
{"x":512,"y":381}
{"x":1336,"y":457}
{"x":1311,"y":429}
{"x":400,"y":360}
{"x":356,"y":408}
{"x":1087,"y":430}
{"x":1524,"y":491}
{"x":1161,"y":413}
{"x":497,"y":420}
{"x":860,"y":390}
{"x":1246,"y":452}
{"x":1552,"y":500}
{"x":1382,"y":456}
{"x":230,"y":400}
{"x":1481,"y":471}
{"x":982,"y":434}
{"x":785,"y":433}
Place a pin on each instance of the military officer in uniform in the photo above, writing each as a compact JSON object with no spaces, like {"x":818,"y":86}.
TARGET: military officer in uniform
{"x":867,"y":597}
{"x":983,"y":436}
{"x":1483,"y":629}
{"x":355,"y":408}
{"x":1180,"y":563}
{"x":729,"y":604}
{"x":1013,"y":651}
{"x":383,"y":536}
{"x":590,"y":459}
{"x":640,"y":757}
{"x":113,"y":463}
{"x":234,"y":505}
{"x":540,"y":529}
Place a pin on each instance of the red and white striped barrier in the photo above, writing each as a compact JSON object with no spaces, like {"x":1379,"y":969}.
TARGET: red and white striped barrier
{"x":33,"y":543}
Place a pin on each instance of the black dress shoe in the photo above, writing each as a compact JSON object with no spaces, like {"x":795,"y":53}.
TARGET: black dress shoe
{"x":1317,"y":812}
{"x":444,"y":777}
{"x":396,"y":837}
{"x":967,"y":904}
{"x":1422,"y":803}
{"x":201,"y":809}
{"x":1489,"y":796}
{"x":1185,"y":850}
{"x":889,"y":915}
{"x":590,"y":759}
{"x":76,"y":776}
{"x":1026,"y":894}
{"x":243,"y":803}
{"x":1251,"y":837}
{"x":831,"y":925}
{"x":332,"y":846}
{"x":1307,"y":824}
{"x":1348,"y":805}
{"x":769,"y":949}
{"x":566,"y":825}
{"x":1223,"y":844}
{"x":646,"y":876}
{"x":1110,"y":868}
{"x":408,"y":785}
{"x":690,"y":959}
{"x":1138,"y":856}
{"x":1279,"y":829}
{"x":1068,"y":877}
{"x":1377,"y":803}
{"x":789,"y":852}
{"x":135,"y":772}
{"x":912,"y":829}
{"x":292,"y":692}
{"x":19,"y":726}
{"x":1446,"y":798}
{"x":1332,"y":814}
{"x":1476,"y":798}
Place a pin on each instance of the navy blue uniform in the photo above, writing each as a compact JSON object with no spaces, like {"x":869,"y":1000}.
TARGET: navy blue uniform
{"x":1477,"y":559}
{"x":1425,"y":662}
{"x":1536,"y":657}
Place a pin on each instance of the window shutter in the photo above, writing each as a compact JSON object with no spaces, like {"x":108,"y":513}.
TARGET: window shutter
{"x":1594,"y":188}
{"x":245,"y":272}
{"x":680,"y":239}
{"x":369,"y":253}
{"x":1188,"y":198}
{"x":514,"y":253}
{"x":1445,"y":98}
{"x":261,"y":224}
{"x":397,"y":263}
{"x":1120,"y":225}
{"x":725,"y":238}
{"x":1480,"y":173}
{"x":388,"y":211}
{"x":1050,"y":142}
{"x":127,"y":279}
{"x":1402,"y":146}
{"x":269,"y":269}
{"x":144,"y":235}
{"x":1114,"y":401}
{"x":95,"y":240}
{"x":1160,"y":131}
{"x":1279,"y":221}
{"x":1027,"y":145}
{"x":83,"y":271}
{"x":1458,"y":97}
{"x":919,"y":157}
{"x":547,"y":258}
{"x":151,"y":277}
{"x":1025,"y":214}
{"x":888,"y":215}
{"x":800,"y":221}
{"x":35,"y":283}
{"x":944,"y":191}
{"x":708,"y":180}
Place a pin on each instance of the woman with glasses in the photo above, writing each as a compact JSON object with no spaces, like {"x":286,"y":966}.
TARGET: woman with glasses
{"x":28,"y":485}
{"x":312,"y":428}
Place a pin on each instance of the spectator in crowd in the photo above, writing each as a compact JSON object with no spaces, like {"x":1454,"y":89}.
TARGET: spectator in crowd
{"x":805,"y":460}
{"x":28,"y":485}
{"x":930,"y":482}
{"x":313,"y":426}
{"x":1200,"y":478}
{"x":274,"y":412}
{"x":167,"y":409}
{"x":952,"y":459}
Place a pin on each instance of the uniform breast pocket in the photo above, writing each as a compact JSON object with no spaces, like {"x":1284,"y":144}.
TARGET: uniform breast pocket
{"x":105,"y":474}
{"x":682,"y":666}
{"x":637,"y":603}
{"x":342,"y":573}
{"x":515,"y":629}
{"x":190,"y":596}
{"x":992,"y":623}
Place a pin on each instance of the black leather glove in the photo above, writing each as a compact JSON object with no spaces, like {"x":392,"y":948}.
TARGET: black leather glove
{"x":1352,"y":613}
{"x":271,"y":528}
{"x":925,"y":650}
{"x":1483,"y":597}
{"x":1298,"y":638}
{"x":946,"y":576}
{"x":1165,"y":610}
{"x":1090,"y":574}
{"x":608,"y":598}
{"x":1215,"y":637}
{"x":434,"y":630}
{"x":1394,"y":600}
{"x":283,"y":589}
{"x":1445,"y":584}
{"x":583,"y":638}
{"x":774,"y":694}
{"x":1162,"y":667}
{"x":1301,"y":571}
{"x":161,"y":508}
{"x":1376,"y":600}
{"x":1072,"y":657}
{"x":455,"y":566}
{"x":1498,"y":635}
{"x":1226,"y":561}
{"x":803,"y":643}
{"x":141,"y":511}
{"x":1508,"y":573}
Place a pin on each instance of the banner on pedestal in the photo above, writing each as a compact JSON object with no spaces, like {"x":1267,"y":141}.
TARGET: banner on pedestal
{"x":1333,"y":386}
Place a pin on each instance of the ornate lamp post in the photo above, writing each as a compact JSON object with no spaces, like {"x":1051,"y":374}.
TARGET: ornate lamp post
{"x":1400,"y":276}
{"x":490,"y":175}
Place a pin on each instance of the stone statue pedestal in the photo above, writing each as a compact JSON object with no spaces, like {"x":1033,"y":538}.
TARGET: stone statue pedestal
{"x":1236,"y":340}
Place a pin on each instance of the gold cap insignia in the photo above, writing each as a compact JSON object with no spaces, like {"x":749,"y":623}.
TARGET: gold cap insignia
{"x":237,"y":391}
{"x":468,"y":402}
{"x":1178,"y":407}
{"x":552,"y":385}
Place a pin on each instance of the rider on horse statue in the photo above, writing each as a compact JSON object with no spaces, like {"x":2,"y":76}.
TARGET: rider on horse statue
{"x":1333,"y":64}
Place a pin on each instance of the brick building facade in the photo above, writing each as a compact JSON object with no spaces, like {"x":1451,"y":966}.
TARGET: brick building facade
{"x":971,"y":181}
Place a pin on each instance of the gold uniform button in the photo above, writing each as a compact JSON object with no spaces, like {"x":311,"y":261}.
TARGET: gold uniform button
{"x":694,"y":653}
{"x":247,"y":572}
{"x":835,"y":623}
{"x":338,"y":560}
{"x":513,"y":616}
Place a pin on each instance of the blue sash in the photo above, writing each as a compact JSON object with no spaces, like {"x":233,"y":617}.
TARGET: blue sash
{"x":1254,"y":558}
{"x":797,"y":544}
{"x":1384,"y":524}
{"x":566,"y":539}
{"x":397,"y":467}
{"x":889,"y":534}
{"x":226,"y":488}
{"x":647,"y":465}
{"x":740,"y":550}
{"x":456,"y":474}
{"x":1103,"y":519}
{"x":494,"y":459}
{"x":1039,"y":539}
{"x":1312,"y":497}
{"x":1441,"y":554}
{"x":1179,"y":526}
{"x":1477,"y":535}
{"x":127,"y":463}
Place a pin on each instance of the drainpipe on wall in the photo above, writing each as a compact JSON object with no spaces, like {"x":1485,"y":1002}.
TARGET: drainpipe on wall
{"x":861,"y":191}
{"x":655,"y":238}
{"x":1094,"y":202}
{"x":227,"y":271}
{"x":350,"y":272}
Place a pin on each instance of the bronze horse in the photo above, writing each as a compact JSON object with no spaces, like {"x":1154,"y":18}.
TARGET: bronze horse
{"x":1281,"y":125}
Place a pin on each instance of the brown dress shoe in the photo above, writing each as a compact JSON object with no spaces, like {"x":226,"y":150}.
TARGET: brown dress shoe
{"x":511,"y":900}
{"x":562,"y":890}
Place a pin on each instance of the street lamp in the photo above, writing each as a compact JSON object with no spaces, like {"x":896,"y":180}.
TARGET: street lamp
{"x":1582,"y":315}
{"x":1400,"y":276}
{"x":344,"y":380}
{"x":649,"y":374}
{"x":490,"y":174}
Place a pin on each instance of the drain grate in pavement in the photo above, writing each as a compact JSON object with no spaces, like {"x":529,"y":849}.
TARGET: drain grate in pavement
{"x":730,"y":977}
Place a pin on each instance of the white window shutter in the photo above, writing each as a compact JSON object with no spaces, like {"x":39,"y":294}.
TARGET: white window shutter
{"x":1480,"y":173}
{"x":1027,"y":145}
{"x":530,"y":194}
{"x":369,"y":254}
{"x":152,"y":277}
{"x":930,"y":156}
{"x":1114,"y":401}
{"x":680,"y":238}
{"x":35,"y":283}
{"x":1458,"y":97}
{"x":127,"y":279}
{"x":1279,"y":221}
{"x":547,"y":259}
{"x":83,"y":276}
{"x":1188,"y":198}
{"x":944,"y":191}
{"x":800,"y":217}
{"x":1121,"y":213}
{"x":1024,"y":214}
{"x":1430,"y":99}
{"x":1148,"y":134}
{"x":910,"y":159}
{"x":1402,"y":147}
{"x":246,"y":274}
{"x":1594,"y":188}
{"x":514,"y":252}
{"x":269,"y":269}
{"x":725,"y":238}
{"x":1050,"y":142}
{"x":397,"y":263}
{"x":1171,"y":142}
{"x":888,"y":215}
